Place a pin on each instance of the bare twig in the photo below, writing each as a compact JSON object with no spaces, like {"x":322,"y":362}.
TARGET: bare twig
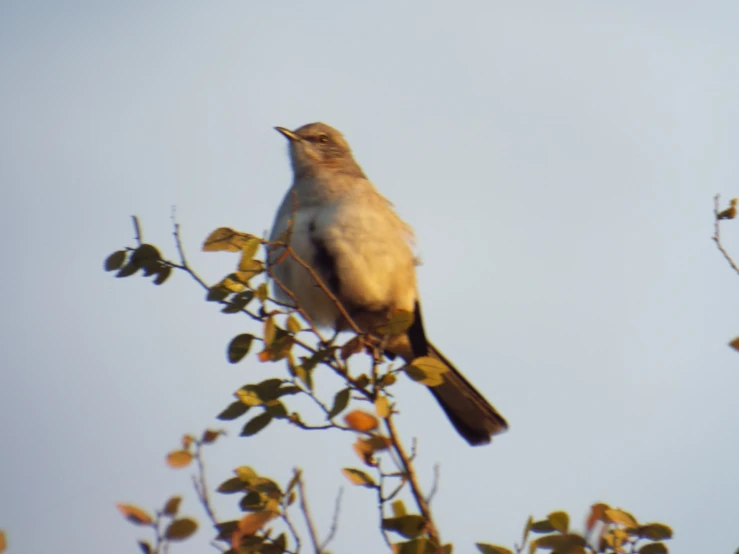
{"x":291,"y":528}
{"x":306,"y":513}
{"x":435,"y":485}
{"x":201,"y":486}
{"x":334,"y":521}
{"x":407,"y":466}
{"x":717,"y":234}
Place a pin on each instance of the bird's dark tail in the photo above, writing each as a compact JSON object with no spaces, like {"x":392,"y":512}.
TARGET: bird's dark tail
{"x":472,"y":415}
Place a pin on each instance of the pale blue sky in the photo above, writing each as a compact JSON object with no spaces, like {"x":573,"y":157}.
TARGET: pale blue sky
{"x":556,"y":159}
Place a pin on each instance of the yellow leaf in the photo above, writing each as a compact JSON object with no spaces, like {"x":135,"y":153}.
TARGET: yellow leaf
{"x":179,"y":459}
{"x":134,"y":514}
{"x":180,"y":529}
{"x":251,"y":523}
{"x":382,"y":407}
{"x":358,"y":477}
{"x":398,"y":323}
{"x":225,"y":239}
{"x":248,"y":250}
{"x":361,"y":421}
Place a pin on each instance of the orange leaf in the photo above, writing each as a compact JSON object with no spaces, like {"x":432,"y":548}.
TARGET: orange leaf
{"x":250,"y":524}
{"x":179,"y":459}
{"x":361,"y":421}
{"x":134,"y":514}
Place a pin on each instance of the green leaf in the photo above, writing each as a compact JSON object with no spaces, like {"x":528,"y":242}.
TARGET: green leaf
{"x":492,"y":549}
{"x":238,"y":302}
{"x":269,"y":389}
{"x":655,"y":531}
{"x":145,"y":254}
{"x":127,"y":270}
{"x":415,"y":546}
{"x":257,"y":424}
{"x":239,"y":347}
{"x":542,"y":526}
{"x":234,"y":410}
{"x":276,"y":409}
{"x":172,"y":506}
{"x":226,"y":529}
{"x":216,"y":293}
{"x":359,"y":477}
{"x":560,"y":521}
{"x":427,"y":371}
{"x":563,"y":543}
{"x":231,"y":486}
{"x":653,"y":548}
{"x":252,"y":502}
{"x":398,"y":323}
{"x":115,"y":260}
{"x":180,"y":529}
{"x":341,"y":400}
{"x":410,"y":526}
{"x":293,"y":325}
{"x":162,"y":275}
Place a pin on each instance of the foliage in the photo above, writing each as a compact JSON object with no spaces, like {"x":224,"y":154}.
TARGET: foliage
{"x":362,"y":404}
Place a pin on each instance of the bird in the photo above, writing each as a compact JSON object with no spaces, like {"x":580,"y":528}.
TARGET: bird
{"x":352,"y":238}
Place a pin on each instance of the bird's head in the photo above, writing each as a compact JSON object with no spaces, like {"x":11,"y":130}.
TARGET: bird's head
{"x":317,"y":146}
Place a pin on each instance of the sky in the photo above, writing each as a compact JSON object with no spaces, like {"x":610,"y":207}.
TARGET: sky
{"x":558,"y":162}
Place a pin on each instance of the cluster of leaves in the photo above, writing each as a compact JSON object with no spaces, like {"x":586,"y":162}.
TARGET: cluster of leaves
{"x":607,"y":531}
{"x":288,"y":336}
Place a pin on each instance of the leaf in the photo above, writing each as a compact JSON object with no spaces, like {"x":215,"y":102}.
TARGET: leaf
{"x":427,"y":371}
{"x":209,"y":436}
{"x":234,"y":410}
{"x":226,"y":528}
{"x":180,"y":529}
{"x":341,"y":400}
{"x":382,"y":407}
{"x":239,"y":347}
{"x":270,"y":331}
{"x":231,"y":486}
{"x":251,"y":523}
{"x":127,"y":270}
{"x":144,"y":255}
{"x":399,"y":323}
{"x":351,"y":347}
{"x":542,"y":526}
{"x":655,"y":531}
{"x":620,"y":517}
{"x":560,"y":521}
{"x":3,"y":542}
{"x":179,"y":459}
{"x":597,"y":513}
{"x":565,"y":543}
{"x":238,"y":302}
{"x":735,"y":344}
{"x":359,"y":477}
{"x":248,"y":251}
{"x":361,"y":421}
{"x":162,"y":275}
{"x":492,"y":549}
{"x":293,"y":325}
{"x":410,"y":526}
{"x":172,"y":506}
{"x":398,"y":508}
{"x":249,"y":396}
{"x":115,"y":260}
{"x":256,"y":424}
{"x":653,"y":548}
{"x":527,"y":529}
{"x":216,"y":293}
{"x":416,"y":546}
{"x":246,"y":474}
{"x":134,"y":514}
{"x":269,"y":389}
{"x":252,"y":502}
{"x":143,"y":545}
{"x":262,"y":292}
{"x":225,"y":239}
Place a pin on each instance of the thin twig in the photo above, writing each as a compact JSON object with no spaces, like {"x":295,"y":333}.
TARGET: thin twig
{"x":291,"y":528}
{"x":137,"y":229}
{"x":201,"y":486}
{"x":717,"y":234}
{"x":410,"y":472}
{"x":334,"y":521}
{"x":435,"y":485}
{"x":306,"y":512}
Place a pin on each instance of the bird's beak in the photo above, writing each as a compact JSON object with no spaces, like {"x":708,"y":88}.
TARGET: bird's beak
{"x":288,"y":133}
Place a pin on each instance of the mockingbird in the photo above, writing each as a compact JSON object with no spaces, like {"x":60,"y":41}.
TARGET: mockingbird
{"x":353,"y":239}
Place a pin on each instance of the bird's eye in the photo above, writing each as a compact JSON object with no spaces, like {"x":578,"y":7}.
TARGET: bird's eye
{"x":322,"y":138}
